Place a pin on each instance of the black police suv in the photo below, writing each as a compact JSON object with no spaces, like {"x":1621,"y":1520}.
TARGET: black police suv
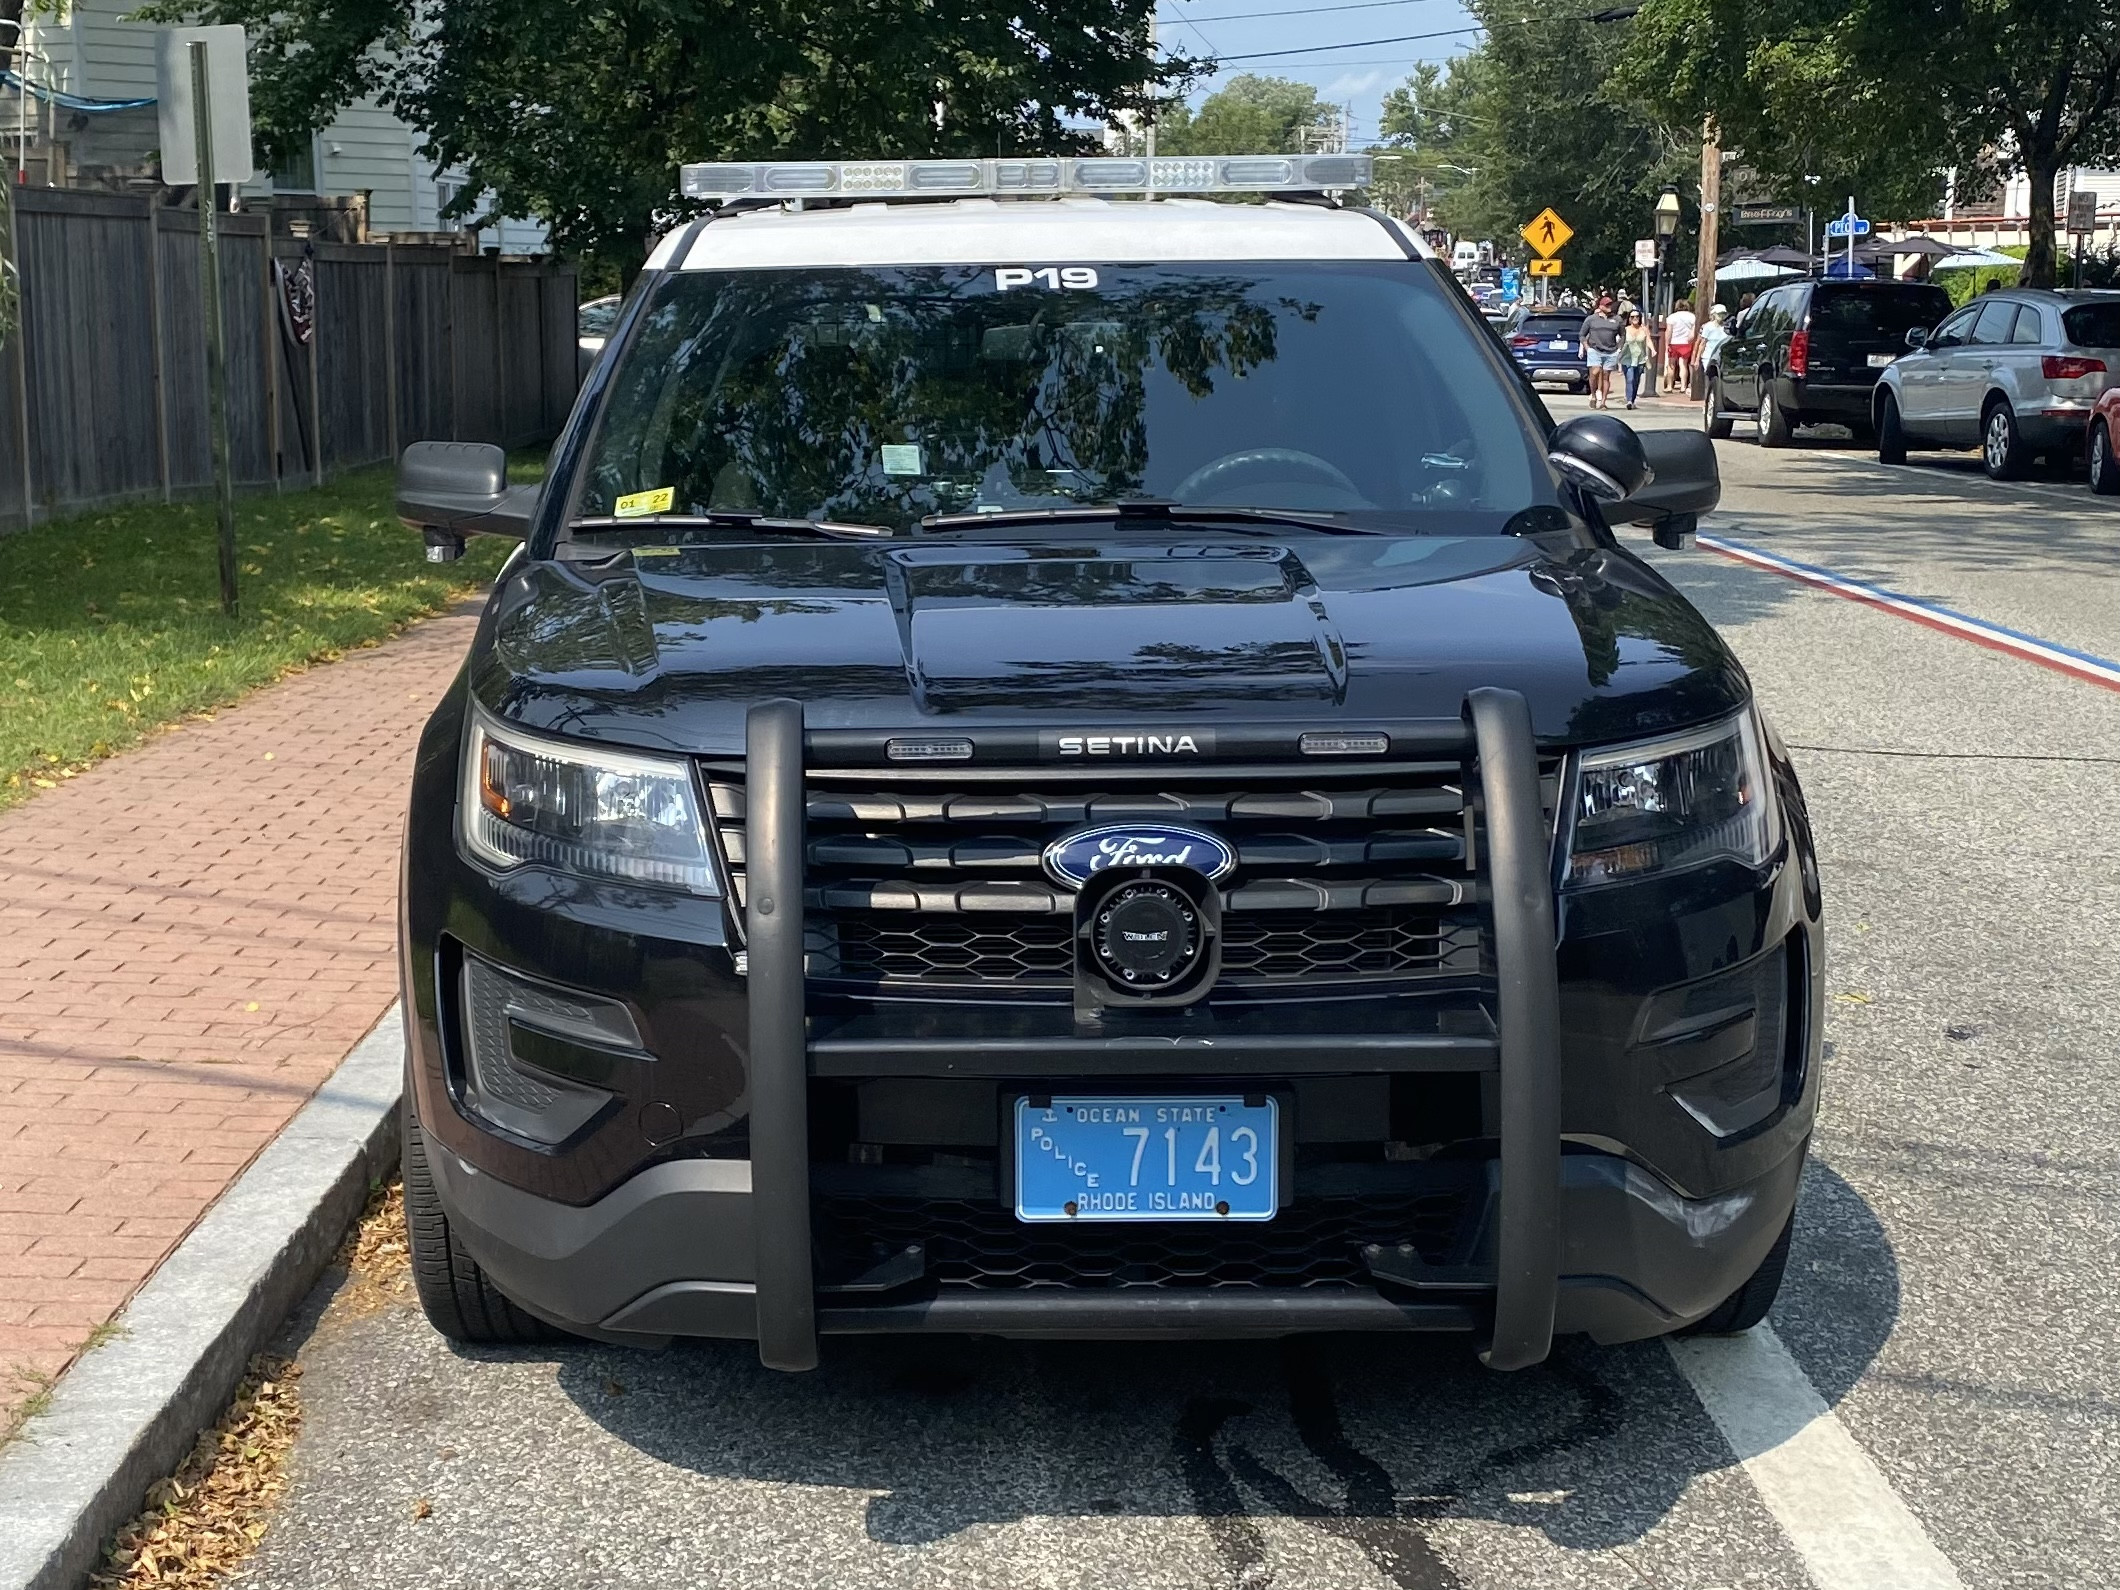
{"x":1086,"y":769}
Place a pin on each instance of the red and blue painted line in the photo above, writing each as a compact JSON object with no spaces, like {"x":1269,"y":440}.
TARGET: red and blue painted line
{"x":2062,"y":659}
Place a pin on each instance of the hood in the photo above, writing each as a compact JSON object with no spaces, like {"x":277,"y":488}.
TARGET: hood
{"x":668,"y":647}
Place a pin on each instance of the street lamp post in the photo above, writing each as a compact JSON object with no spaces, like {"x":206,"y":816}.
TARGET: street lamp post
{"x":1666,"y":229}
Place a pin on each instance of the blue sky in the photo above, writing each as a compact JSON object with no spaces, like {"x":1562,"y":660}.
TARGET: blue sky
{"x":1357,"y":75}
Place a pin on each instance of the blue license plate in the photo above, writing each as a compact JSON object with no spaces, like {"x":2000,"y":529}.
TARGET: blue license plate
{"x":1183,"y":1157}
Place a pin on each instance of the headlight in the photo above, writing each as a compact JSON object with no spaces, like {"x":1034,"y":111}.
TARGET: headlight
{"x":1677,"y":802}
{"x":611,"y":814}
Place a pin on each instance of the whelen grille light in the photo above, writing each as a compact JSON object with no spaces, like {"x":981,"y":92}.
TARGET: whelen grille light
{"x":943,"y":179}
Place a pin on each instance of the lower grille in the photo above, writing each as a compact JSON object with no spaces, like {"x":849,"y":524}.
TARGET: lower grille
{"x":982,"y":1246}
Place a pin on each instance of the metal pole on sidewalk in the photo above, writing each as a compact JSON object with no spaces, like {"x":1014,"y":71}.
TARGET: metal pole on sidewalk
{"x":210,"y":307}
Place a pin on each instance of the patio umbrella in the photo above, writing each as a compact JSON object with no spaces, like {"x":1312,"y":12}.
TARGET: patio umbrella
{"x":1838,"y":265}
{"x":1920,"y":243}
{"x":1782,"y":254}
{"x":1752,"y":270}
{"x":1966,"y":259}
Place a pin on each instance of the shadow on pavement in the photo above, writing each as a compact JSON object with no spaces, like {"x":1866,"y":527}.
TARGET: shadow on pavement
{"x":1363,"y":1438}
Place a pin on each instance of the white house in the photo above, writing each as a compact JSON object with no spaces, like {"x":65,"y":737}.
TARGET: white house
{"x":87,"y":58}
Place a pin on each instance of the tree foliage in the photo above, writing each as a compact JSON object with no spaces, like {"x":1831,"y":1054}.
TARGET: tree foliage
{"x":579,"y":112}
{"x":1878,"y":97}
{"x":1536,"y":118}
{"x":1248,"y":115}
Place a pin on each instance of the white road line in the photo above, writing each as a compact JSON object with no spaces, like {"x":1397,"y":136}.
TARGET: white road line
{"x":1842,"y":1516}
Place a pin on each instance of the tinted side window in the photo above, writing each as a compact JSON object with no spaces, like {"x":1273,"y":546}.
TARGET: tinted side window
{"x":1953,"y":331}
{"x":2029,"y":331}
{"x":1997,"y":317}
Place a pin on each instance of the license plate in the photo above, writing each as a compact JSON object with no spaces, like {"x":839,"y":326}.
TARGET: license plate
{"x":1184,"y":1157}
{"x":1879,"y":360}
{"x":1560,"y":346}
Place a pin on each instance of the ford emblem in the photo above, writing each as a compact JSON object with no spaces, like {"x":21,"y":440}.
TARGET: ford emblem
{"x":1076,"y":858}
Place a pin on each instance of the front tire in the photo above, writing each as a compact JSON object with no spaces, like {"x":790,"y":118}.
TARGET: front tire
{"x":2105,"y":461}
{"x":1748,"y":1305}
{"x":1891,"y":434}
{"x":1775,"y":429}
{"x":1712,"y":419}
{"x":456,"y":1295}
{"x":2002,"y":450}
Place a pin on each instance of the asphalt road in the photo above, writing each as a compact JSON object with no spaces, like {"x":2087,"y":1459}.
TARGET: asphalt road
{"x":1952,"y":1297}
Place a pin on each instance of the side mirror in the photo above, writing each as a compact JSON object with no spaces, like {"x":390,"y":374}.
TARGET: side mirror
{"x":1602,"y":456}
{"x":1917,"y":338}
{"x":1687,"y":483}
{"x":450,"y":490}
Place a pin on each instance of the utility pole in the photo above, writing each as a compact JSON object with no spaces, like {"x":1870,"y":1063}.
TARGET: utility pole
{"x":1151,"y":142}
{"x":1710,"y":204}
{"x":216,"y":335}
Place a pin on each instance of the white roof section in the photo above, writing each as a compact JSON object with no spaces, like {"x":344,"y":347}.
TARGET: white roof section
{"x":1042,"y":231}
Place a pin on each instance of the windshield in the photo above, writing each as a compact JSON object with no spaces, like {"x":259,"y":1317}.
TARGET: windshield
{"x":886,"y":396}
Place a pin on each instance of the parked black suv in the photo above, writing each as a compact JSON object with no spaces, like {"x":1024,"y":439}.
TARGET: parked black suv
{"x":1092,"y":770}
{"x":1809,"y":352}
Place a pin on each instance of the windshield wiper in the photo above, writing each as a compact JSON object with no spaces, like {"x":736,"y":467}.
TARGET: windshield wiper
{"x":746,"y":518}
{"x":1145,"y":510}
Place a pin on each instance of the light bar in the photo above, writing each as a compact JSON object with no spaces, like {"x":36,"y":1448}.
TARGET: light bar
{"x":941,"y":179}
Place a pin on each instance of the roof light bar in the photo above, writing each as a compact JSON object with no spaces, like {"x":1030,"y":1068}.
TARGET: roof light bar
{"x":895,"y":179}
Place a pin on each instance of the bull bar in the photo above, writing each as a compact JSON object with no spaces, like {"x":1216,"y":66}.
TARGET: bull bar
{"x":1496,"y":728}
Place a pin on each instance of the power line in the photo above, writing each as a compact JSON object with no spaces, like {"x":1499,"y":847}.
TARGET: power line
{"x":1354,"y":44}
{"x":1300,"y":11}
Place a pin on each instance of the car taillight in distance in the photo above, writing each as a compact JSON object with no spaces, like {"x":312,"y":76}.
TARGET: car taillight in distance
{"x":2069,"y":367}
{"x":1522,"y":341}
{"x":1800,"y":353}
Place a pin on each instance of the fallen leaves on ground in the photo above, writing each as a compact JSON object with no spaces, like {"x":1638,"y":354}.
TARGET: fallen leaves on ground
{"x":202,"y":1521}
{"x":377,"y":1253}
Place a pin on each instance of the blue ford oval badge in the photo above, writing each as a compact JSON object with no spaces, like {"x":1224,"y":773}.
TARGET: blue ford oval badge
{"x":1076,"y":858}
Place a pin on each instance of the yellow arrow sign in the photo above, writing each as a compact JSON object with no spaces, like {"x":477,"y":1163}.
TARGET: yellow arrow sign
{"x":1547,"y":233}
{"x":1545,"y":267}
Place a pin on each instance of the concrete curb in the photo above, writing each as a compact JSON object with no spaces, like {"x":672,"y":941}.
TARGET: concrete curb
{"x":126,"y":1413}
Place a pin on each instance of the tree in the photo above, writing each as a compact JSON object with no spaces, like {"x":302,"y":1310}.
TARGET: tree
{"x":1887,"y":94}
{"x":579,"y":112}
{"x":1249,"y":115}
{"x":1534,"y":118}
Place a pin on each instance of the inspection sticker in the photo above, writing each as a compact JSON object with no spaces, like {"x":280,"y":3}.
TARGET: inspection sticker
{"x":638,"y":504}
{"x":901,"y":459}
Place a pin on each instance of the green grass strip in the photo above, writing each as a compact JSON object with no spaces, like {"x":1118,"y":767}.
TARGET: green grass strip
{"x":111,"y":626}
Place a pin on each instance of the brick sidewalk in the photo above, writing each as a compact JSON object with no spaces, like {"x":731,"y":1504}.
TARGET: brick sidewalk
{"x":192,"y":935}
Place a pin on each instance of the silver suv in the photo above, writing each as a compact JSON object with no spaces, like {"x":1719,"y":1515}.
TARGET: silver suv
{"x":2014,"y":372}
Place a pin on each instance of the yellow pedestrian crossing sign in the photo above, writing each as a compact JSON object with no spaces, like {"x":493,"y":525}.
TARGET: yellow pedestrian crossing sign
{"x":1547,"y":233}
{"x":1545,"y":267}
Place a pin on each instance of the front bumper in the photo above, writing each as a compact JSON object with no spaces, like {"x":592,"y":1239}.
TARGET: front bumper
{"x":670,"y":1254}
{"x":1592,"y":1201}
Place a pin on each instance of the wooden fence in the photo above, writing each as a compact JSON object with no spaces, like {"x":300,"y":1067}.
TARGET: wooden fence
{"x":103,"y":392}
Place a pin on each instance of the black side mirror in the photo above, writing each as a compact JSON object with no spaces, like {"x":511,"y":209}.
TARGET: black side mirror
{"x":1917,"y":338}
{"x":1687,"y":483}
{"x":1602,"y":456}
{"x":451,"y":490}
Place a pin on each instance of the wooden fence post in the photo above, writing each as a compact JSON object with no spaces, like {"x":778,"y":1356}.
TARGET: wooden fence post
{"x":316,"y":354}
{"x":271,"y":348}
{"x":21,"y":360}
{"x":390,"y":347}
{"x":161,"y":355}
{"x":500,"y":363}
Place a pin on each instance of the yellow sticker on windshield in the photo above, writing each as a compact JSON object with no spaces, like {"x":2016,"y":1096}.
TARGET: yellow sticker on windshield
{"x":639,"y":504}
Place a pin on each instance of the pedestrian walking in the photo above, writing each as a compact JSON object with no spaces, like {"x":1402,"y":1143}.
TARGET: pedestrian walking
{"x":1635,"y":352}
{"x":1678,"y":346}
{"x":1600,"y":332}
{"x":1712,"y":336}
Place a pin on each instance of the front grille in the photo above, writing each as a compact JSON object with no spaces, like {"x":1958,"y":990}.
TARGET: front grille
{"x":981,"y":1246}
{"x":1345,"y":874}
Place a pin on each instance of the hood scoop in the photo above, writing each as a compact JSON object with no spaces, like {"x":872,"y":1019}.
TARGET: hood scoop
{"x":1156,"y":630}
